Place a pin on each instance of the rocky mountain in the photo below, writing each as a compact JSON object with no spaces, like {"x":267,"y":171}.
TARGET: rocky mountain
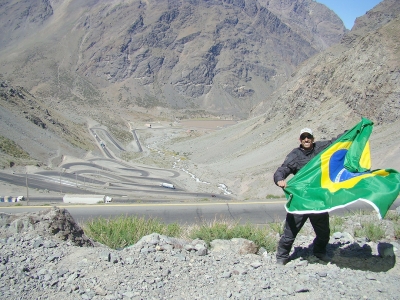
{"x":361,"y":73}
{"x":330,"y":92}
{"x":121,"y":61}
{"x":29,"y":126}
{"x":380,"y":15}
{"x":223,"y":57}
{"x":312,"y":20}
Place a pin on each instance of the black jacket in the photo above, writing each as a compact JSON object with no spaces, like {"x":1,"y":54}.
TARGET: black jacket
{"x":298,"y":158}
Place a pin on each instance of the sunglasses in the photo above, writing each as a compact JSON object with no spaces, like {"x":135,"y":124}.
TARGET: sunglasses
{"x":304,"y":136}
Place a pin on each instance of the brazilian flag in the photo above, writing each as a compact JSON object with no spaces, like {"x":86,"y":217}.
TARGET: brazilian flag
{"x":340,"y":175}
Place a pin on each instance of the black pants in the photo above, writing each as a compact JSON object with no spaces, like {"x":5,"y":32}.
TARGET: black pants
{"x":293,"y":224}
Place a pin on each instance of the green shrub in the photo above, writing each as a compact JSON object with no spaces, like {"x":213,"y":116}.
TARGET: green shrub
{"x":260,"y":236}
{"x":270,"y":196}
{"x":397,"y":231}
{"x":336,"y":224}
{"x":392,"y":216}
{"x":124,"y":231}
{"x":374,"y":232}
{"x":359,"y":212}
{"x":11,"y":148}
{"x":277,"y":227}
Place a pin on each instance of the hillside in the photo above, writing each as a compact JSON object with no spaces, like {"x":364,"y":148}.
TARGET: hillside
{"x":328,"y":93}
{"x":222,"y":57}
{"x":312,"y":20}
{"x":42,"y":133}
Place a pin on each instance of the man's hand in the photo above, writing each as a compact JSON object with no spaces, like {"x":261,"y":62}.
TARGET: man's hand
{"x":282,"y":183}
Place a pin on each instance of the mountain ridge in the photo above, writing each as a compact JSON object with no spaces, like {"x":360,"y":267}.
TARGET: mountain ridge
{"x":219,"y":56}
{"x":329,"y":92}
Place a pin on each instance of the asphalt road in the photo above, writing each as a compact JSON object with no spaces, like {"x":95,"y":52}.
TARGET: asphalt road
{"x":186,"y":213}
{"x":125,"y":182}
{"x":106,"y":176}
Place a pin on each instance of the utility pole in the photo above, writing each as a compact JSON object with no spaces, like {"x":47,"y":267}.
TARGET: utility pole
{"x":27,"y":190}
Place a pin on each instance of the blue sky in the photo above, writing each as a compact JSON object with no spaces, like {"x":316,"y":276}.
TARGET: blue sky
{"x":349,"y":10}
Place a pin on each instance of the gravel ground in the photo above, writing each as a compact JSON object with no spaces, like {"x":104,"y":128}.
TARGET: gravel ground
{"x":46,"y":255}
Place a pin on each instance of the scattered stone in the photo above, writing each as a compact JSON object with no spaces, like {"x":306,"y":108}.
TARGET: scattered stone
{"x":385,"y":250}
{"x":322,"y":274}
{"x":38,"y":265}
{"x":256,"y":264}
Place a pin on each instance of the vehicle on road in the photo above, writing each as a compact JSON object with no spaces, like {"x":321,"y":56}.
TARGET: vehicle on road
{"x":168,"y":185}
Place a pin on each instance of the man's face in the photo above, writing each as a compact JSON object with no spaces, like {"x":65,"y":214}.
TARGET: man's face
{"x":306,"y":141}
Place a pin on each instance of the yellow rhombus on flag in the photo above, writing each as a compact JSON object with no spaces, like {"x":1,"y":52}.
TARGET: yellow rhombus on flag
{"x":340,"y":175}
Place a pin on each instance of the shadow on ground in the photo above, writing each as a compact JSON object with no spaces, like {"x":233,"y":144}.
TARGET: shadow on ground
{"x":353,"y":256}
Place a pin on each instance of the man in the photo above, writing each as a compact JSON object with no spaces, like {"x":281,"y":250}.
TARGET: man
{"x":294,"y":161}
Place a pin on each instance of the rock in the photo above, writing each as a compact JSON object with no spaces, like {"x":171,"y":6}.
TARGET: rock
{"x":52,"y":222}
{"x":29,"y":270}
{"x":385,"y":250}
{"x":237,"y":245}
{"x":201,"y":250}
{"x":337,"y":235}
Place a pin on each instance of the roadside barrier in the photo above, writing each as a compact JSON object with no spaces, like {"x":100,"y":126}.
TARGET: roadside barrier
{"x":11,"y":199}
